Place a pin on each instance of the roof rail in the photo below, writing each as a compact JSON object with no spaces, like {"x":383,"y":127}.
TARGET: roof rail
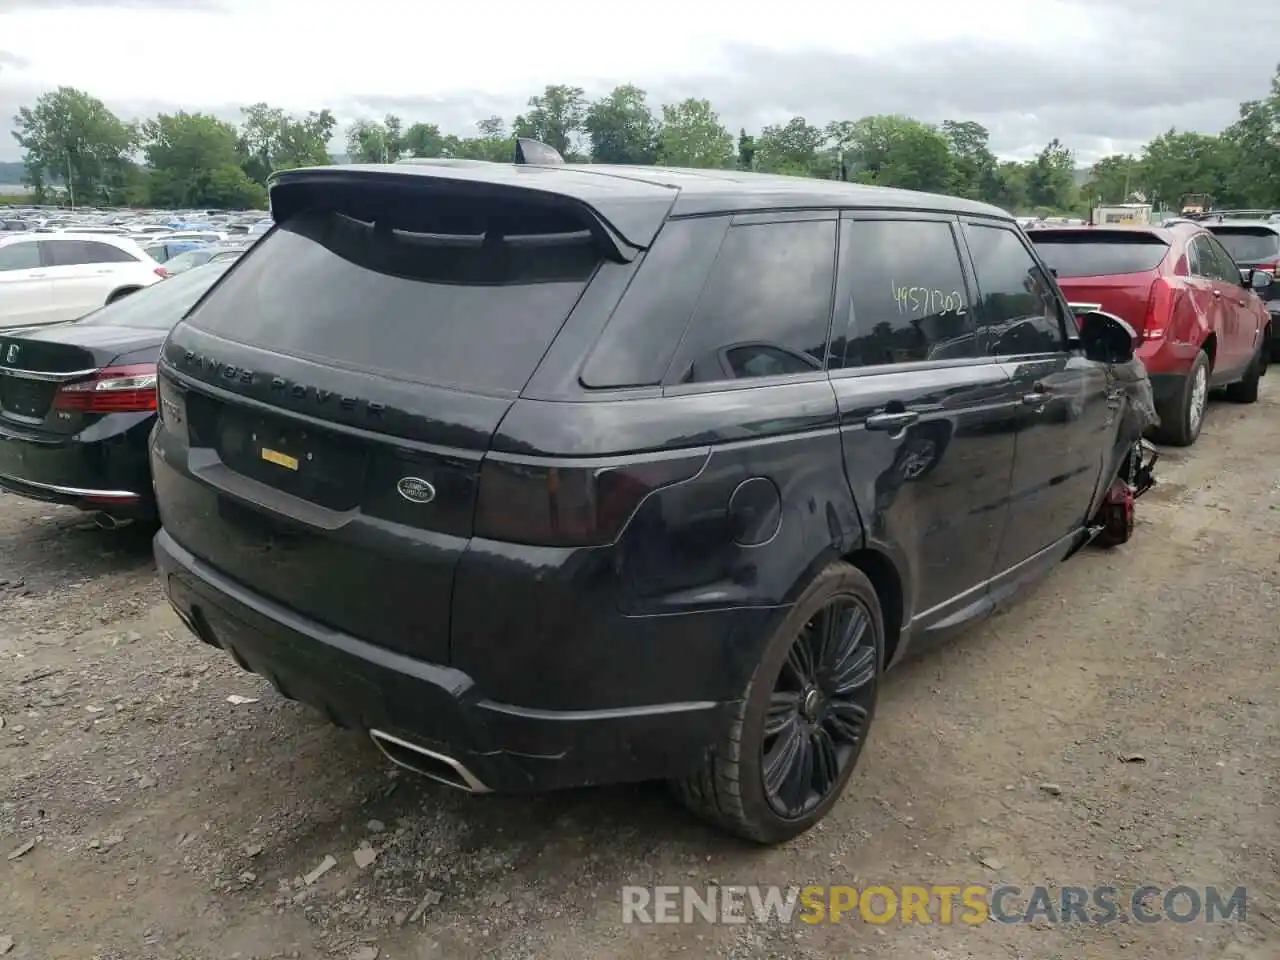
{"x":535,"y":153}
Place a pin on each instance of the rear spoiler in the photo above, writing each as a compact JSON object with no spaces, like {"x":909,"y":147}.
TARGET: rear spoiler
{"x":624,"y":216}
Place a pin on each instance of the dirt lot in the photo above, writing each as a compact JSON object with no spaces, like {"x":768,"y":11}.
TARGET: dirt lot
{"x":170,"y":823}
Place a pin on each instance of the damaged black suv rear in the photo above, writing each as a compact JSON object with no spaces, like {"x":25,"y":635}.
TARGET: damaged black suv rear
{"x":553,"y":475}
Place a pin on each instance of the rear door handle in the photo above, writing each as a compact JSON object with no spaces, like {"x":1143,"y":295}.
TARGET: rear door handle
{"x":891,"y":422}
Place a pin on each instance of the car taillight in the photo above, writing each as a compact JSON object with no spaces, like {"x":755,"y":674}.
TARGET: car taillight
{"x":161,"y":272}
{"x":130,"y":389}
{"x":1272,"y":268}
{"x":1159,"y":311}
{"x":526,"y":501}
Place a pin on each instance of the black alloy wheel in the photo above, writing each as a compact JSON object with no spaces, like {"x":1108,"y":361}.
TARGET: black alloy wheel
{"x":820,"y":708}
{"x":793,"y":742}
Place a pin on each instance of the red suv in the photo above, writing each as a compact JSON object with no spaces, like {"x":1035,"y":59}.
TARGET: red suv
{"x":1202,"y":324}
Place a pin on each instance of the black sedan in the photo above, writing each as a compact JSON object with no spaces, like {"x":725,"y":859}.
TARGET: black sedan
{"x":78,"y":400}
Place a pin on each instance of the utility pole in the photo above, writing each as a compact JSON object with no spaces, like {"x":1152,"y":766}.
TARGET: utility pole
{"x":71,"y":190}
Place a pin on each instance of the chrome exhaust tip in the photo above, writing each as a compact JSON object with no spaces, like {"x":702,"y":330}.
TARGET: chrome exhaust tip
{"x":427,"y":763}
{"x":105,"y":521}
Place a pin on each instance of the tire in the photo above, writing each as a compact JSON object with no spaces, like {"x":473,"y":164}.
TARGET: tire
{"x":730,"y":790}
{"x":1180,"y":424}
{"x":1246,"y":389}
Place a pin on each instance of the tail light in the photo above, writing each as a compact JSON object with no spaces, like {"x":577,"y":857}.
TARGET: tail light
{"x":130,"y":389}
{"x":161,"y":272}
{"x":1272,"y":268}
{"x":589,"y":505}
{"x":1159,"y":312}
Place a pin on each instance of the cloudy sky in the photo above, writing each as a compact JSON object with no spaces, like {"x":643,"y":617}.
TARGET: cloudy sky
{"x":1102,"y":75}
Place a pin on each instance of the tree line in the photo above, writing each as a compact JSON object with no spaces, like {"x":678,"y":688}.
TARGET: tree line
{"x":75,"y":148}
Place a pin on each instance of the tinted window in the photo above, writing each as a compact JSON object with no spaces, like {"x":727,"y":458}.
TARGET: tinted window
{"x":908,"y":293}
{"x":1020,"y":310}
{"x":441,"y":295}
{"x":645,"y":329}
{"x":158,"y":306}
{"x":770,"y":289}
{"x":67,"y":253}
{"x":19,"y":256}
{"x":1249,"y":244}
{"x":1097,"y":254}
{"x":1206,"y":262}
{"x":1226,"y":265}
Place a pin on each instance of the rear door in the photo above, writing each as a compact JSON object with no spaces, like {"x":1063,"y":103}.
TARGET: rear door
{"x":334,"y":396}
{"x":1205,"y":284}
{"x":1066,"y":420}
{"x":927,"y":421}
{"x":25,"y":290}
{"x":1238,"y":306}
{"x":83,"y":272}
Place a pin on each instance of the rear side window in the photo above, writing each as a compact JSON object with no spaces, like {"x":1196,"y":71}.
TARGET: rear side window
{"x":468,"y":295}
{"x":637,"y":346}
{"x":1020,"y":309}
{"x":909,"y":299}
{"x":1099,"y":254}
{"x":766,"y":306}
{"x":19,"y":256}
{"x":1249,"y":244}
{"x":69,"y":253}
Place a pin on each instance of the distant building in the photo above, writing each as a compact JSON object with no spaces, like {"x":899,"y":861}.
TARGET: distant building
{"x":1121,"y":213}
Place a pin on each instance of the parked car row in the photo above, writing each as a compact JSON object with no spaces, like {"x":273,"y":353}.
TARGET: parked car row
{"x":725,"y":446}
{"x":1203,"y":296}
{"x":61,"y":266}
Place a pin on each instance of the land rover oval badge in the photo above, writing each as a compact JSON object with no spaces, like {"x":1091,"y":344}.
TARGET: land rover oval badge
{"x":416,"y":490}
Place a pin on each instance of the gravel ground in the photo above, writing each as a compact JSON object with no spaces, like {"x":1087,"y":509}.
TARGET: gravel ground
{"x":143,"y":815}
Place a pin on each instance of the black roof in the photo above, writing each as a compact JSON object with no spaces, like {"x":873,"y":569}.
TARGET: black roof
{"x":636,"y":200}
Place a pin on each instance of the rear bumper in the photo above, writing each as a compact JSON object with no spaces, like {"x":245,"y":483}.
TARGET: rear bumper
{"x":1167,"y":357}
{"x":414,"y":704}
{"x":104,"y":468}
{"x":1165,"y":388}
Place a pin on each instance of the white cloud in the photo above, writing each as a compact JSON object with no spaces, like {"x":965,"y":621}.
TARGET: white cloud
{"x":468,"y":59}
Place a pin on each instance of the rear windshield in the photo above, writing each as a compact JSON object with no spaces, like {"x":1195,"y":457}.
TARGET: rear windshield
{"x":1248,"y":244}
{"x":159,"y":306}
{"x":1096,"y":254}
{"x":468,"y":296}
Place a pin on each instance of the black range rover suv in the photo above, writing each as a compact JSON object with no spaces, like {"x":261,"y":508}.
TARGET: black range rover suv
{"x":554,"y":475}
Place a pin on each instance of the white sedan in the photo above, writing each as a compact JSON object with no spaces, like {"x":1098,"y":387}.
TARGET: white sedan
{"x":49,"y":277}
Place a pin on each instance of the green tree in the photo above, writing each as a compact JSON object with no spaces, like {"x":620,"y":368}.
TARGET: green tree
{"x":794,"y":148}
{"x":894,"y":151}
{"x":271,"y":140}
{"x":1114,"y":179}
{"x":1012,"y":191}
{"x":1251,"y":151}
{"x":746,"y":150}
{"x":555,"y":118}
{"x":1176,"y":164}
{"x":72,"y":138}
{"x":1051,"y":178}
{"x":370,"y":141}
{"x":493,"y":143}
{"x":424,"y":140}
{"x":194,"y":162}
{"x":622,"y":128}
{"x":693,"y":136}
{"x":975,"y":170}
